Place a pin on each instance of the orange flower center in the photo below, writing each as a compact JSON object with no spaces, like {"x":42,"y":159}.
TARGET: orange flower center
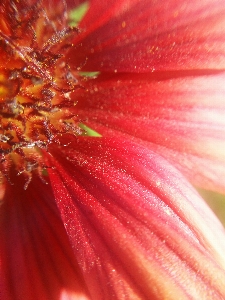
{"x":35,"y":84}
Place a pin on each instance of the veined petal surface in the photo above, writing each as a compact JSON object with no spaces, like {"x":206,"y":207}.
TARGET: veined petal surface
{"x":143,"y":36}
{"x":138,"y":230}
{"x":35,"y":255}
{"x":179,"y":115}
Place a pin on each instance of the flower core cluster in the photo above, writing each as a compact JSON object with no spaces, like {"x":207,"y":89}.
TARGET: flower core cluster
{"x":35,"y":84}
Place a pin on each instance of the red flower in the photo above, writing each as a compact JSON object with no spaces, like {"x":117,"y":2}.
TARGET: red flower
{"x":111,"y":217}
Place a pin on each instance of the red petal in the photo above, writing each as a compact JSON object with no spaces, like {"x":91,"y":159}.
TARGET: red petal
{"x":36,"y":258}
{"x":142,"y":36}
{"x":137,"y":228}
{"x":182,"y":117}
{"x":71,"y":4}
{"x":102,"y":12}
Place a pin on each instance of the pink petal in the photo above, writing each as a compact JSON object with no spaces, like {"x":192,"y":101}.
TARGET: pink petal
{"x":182,"y":117}
{"x":140,"y":36}
{"x":35,"y":254}
{"x":138,"y":230}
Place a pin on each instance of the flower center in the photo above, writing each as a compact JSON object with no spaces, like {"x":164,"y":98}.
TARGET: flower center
{"x":35,"y":84}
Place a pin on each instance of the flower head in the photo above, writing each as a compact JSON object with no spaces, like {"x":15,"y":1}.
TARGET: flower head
{"x":114,"y":216}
